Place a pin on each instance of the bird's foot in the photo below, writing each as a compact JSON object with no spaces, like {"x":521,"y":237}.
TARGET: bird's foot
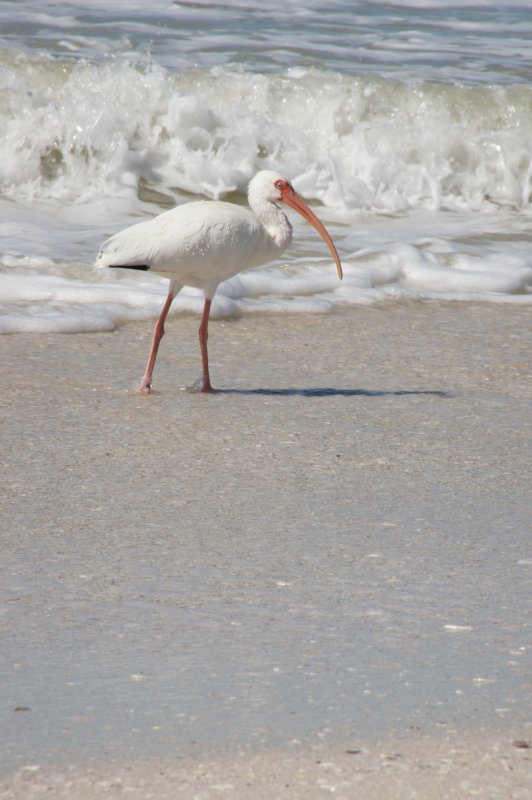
{"x":144,"y":388}
{"x":201,"y":386}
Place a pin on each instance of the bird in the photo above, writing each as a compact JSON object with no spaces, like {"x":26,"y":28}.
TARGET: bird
{"x":205,"y":242}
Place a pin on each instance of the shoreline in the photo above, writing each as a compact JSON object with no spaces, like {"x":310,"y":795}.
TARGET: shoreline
{"x":336,"y":541}
{"x":442,"y":767}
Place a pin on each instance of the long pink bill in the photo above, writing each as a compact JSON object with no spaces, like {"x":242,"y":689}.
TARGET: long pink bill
{"x":293,"y":200}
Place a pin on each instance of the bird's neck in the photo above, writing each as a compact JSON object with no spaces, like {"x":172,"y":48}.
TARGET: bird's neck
{"x":274,"y":220}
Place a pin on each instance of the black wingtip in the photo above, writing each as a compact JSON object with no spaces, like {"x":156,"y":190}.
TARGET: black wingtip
{"x":144,"y":267}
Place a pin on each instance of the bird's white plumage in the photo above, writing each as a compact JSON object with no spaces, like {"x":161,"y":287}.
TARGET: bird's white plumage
{"x":202,"y":244}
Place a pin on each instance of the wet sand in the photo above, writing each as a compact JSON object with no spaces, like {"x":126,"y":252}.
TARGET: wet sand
{"x":210,"y":596}
{"x":475,"y":766}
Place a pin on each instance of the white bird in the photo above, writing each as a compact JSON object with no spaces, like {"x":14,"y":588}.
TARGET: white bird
{"x":203,"y":243}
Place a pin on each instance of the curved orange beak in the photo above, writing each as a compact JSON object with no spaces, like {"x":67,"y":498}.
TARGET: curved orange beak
{"x":293,"y":200}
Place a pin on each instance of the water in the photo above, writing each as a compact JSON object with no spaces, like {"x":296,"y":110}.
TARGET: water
{"x":408,"y":126}
{"x":329,"y":561}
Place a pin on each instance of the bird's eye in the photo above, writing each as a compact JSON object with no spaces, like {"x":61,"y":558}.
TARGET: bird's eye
{"x":279,"y":185}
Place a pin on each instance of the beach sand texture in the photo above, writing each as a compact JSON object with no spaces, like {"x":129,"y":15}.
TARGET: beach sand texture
{"x":219,"y":596}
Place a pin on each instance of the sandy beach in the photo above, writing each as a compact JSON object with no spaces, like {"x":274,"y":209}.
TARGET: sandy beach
{"x":474,"y":766}
{"x":312,"y":583}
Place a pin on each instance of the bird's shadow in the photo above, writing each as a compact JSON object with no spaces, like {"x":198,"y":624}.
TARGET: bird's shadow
{"x":335,"y":392}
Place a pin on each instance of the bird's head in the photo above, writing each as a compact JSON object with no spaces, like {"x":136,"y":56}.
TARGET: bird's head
{"x":269,"y":186}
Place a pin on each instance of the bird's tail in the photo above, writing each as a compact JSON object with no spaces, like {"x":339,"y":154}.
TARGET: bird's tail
{"x":110,"y":260}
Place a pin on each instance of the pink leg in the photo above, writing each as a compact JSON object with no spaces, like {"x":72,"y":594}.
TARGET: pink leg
{"x":203,"y":336}
{"x":158,"y":334}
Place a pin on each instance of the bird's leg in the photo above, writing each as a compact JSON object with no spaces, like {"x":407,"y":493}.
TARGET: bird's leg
{"x":203,"y":336}
{"x":158,"y":334}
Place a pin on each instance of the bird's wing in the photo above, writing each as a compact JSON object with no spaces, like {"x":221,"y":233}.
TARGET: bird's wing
{"x":146,"y":243}
{"x":187,"y":235}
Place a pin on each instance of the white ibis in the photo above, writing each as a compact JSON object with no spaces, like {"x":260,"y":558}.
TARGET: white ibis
{"x":202,"y":244}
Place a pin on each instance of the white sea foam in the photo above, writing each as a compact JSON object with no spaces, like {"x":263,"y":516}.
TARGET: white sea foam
{"x":426,"y":187}
{"x":72,"y":134}
{"x":37,"y":302}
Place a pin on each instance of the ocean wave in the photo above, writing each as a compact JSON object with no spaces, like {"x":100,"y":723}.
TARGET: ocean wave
{"x":76,"y":132}
{"x":36,"y":297}
{"x":425,"y":187}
